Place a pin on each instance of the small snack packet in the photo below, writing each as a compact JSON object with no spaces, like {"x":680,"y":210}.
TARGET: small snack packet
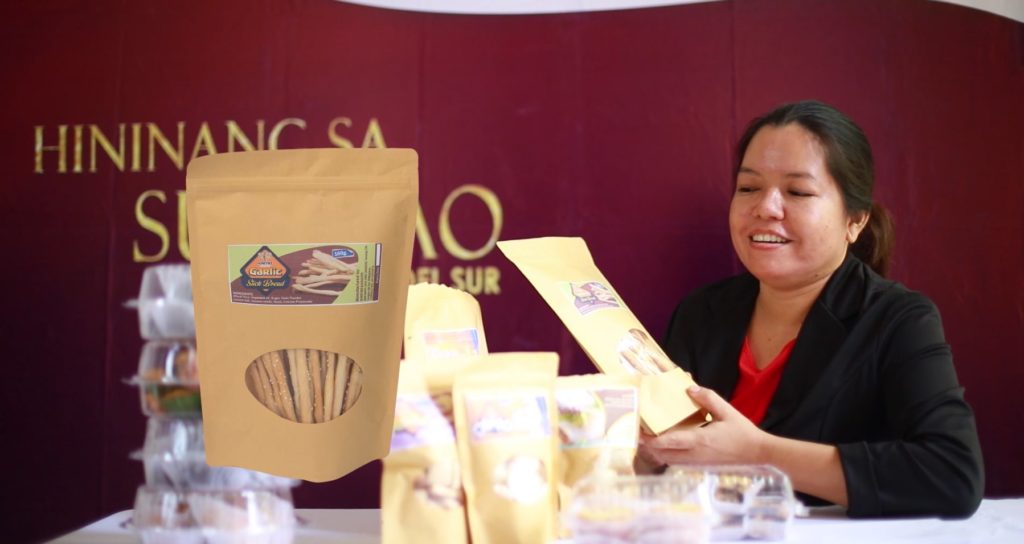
{"x":563,"y":272}
{"x":300,"y":271}
{"x":505,"y":417}
{"x":598,"y":425}
{"x":442,"y":322}
{"x":421,"y":487}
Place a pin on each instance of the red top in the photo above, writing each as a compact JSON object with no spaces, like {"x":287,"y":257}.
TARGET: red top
{"x":757,"y":386}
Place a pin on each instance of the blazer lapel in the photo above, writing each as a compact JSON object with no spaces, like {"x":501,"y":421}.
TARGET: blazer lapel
{"x":720,"y":370}
{"x":820,"y":337}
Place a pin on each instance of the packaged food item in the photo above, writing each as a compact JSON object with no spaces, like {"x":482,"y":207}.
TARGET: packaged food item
{"x":300,"y":264}
{"x":165,"y":302}
{"x":168,"y":379}
{"x":441,"y":322}
{"x":639,"y":509}
{"x":598,"y":427}
{"x":745,"y":501}
{"x":166,"y":515}
{"x":421,"y":488}
{"x":174,"y":455}
{"x":564,"y":273}
{"x":505,"y":416}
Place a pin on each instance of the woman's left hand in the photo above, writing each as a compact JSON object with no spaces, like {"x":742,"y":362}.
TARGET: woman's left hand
{"x":729,"y":438}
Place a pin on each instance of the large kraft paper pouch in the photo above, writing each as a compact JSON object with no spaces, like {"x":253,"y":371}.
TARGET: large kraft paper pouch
{"x":300,"y":263}
{"x":421,"y":488}
{"x":505,"y":416}
{"x":563,"y":272}
{"x":442,"y":322}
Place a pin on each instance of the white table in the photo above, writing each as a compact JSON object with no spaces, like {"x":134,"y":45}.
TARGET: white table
{"x":998,"y":521}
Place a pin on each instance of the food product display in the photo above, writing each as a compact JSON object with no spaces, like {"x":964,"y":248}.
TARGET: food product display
{"x":442,"y":322}
{"x":184,"y":499}
{"x":168,"y":378}
{"x":300,"y":311}
{"x":645,"y":509}
{"x":165,"y":515}
{"x":746,"y":501}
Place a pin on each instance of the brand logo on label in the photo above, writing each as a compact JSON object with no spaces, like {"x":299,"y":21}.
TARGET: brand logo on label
{"x":265,"y":272}
{"x":342,"y":253}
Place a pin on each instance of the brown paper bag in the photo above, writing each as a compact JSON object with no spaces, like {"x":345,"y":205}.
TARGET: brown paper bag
{"x":421,"y":487}
{"x":300,"y":264}
{"x":598,"y":425}
{"x":505,"y":417}
{"x":441,"y":322}
{"x":564,"y":273}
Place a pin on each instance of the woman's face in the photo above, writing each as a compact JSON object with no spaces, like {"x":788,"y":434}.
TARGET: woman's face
{"x":787,"y":219}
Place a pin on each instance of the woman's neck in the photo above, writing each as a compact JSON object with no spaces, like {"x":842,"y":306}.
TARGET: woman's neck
{"x":787,"y":307}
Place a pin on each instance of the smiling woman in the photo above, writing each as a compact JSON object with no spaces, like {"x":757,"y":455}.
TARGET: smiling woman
{"x":836,"y":375}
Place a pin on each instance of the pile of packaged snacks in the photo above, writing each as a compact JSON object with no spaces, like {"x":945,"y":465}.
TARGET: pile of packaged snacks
{"x":183,"y":498}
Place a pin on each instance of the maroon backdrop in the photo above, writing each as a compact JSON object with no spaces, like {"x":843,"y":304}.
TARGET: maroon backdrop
{"x":614,"y":126}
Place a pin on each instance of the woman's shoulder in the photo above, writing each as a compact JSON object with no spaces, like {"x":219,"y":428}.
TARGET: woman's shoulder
{"x":727,"y":291}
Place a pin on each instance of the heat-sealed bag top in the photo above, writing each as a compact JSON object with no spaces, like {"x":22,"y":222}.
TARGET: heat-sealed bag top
{"x":563,"y":272}
{"x":442,"y":322}
{"x":300,"y":263}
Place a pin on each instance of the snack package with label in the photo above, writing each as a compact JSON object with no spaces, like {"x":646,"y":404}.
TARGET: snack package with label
{"x":598,"y":427}
{"x":564,"y":273}
{"x":300,"y":263}
{"x":442,"y":322}
{"x":505,"y":416}
{"x":421,"y":488}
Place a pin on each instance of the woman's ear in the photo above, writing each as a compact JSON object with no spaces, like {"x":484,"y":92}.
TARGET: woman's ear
{"x":855,"y":225}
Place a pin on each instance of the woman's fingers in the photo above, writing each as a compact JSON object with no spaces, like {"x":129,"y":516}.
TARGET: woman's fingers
{"x":710,"y":401}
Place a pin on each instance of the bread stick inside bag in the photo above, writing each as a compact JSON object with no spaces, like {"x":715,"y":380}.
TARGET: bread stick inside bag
{"x":442,"y":322}
{"x":505,"y":416}
{"x":300,"y":263}
{"x":421,"y":487}
{"x":563,"y":272}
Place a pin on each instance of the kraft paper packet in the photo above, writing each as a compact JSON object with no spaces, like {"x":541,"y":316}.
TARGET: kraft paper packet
{"x":563,"y":272}
{"x":300,"y":263}
{"x":442,"y":322}
{"x":505,"y":416}
{"x":421,"y":487}
{"x":598,"y":425}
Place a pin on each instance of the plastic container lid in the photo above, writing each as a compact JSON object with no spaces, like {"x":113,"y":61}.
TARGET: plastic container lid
{"x":638,"y":509}
{"x":746,"y":501}
{"x":174,"y":456}
{"x":164,"y":514}
{"x":168,"y":379}
{"x":165,"y":302}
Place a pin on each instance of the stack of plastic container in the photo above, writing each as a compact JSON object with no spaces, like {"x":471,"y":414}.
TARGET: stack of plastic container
{"x":184,"y":499}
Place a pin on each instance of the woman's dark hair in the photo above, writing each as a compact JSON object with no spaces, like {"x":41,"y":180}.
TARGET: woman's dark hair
{"x":849,"y":162}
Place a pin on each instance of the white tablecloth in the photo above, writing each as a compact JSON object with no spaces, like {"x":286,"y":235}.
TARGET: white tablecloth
{"x":998,"y":521}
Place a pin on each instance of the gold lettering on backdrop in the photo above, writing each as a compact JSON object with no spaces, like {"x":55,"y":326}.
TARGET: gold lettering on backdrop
{"x":61,"y":148}
{"x":275,"y":133}
{"x":151,"y":225}
{"x":176,"y":154}
{"x":336,"y":138}
{"x":136,"y":147}
{"x":183,"y":247}
{"x":77,"y":165}
{"x":204,"y":140}
{"x":448,"y":237}
{"x":374,"y":136}
{"x":236,"y":135}
{"x":96,"y":136}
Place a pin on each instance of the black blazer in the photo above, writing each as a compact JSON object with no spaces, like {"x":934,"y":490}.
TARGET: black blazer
{"x":871,"y":373}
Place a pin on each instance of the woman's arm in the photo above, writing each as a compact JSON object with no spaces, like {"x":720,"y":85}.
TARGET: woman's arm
{"x":813,"y":468}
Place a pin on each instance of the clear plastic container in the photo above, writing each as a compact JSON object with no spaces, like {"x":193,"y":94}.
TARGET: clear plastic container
{"x":644,"y":509}
{"x":167,"y":515}
{"x":165,"y":303}
{"x":174,"y":456}
{"x":746,"y":501}
{"x":168,"y":379}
